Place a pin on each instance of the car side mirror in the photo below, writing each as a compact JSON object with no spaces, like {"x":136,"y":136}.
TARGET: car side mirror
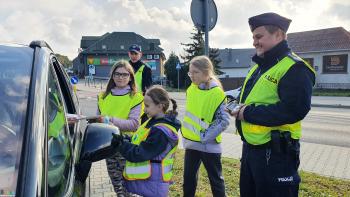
{"x":95,"y":147}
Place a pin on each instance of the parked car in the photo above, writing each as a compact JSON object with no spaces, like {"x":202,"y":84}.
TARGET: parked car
{"x":41,"y":154}
{"x":233,"y":94}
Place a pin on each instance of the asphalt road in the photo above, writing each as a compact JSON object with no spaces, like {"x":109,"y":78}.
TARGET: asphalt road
{"x":329,"y":126}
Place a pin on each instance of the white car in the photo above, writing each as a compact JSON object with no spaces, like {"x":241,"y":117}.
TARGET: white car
{"x":233,"y":94}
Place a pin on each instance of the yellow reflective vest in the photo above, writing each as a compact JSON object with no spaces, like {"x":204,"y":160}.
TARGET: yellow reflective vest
{"x":138,"y":78}
{"x":201,"y":106}
{"x":57,"y":115}
{"x":265,"y":92}
{"x":143,"y":170}
{"x":119,"y":106}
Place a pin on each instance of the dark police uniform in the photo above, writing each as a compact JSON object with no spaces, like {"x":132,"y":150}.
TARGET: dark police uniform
{"x":277,"y":92}
{"x":143,"y":75}
{"x":146,"y":76}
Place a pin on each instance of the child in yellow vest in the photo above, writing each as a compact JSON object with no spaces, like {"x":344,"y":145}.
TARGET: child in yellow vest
{"x":120,"y":105}
{"x":150,"y":154}
{"x":205,"y":119}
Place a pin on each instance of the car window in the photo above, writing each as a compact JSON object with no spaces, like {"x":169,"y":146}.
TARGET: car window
{"x":15,"y":64}
{"x":66,"y":90}
{"x":59,"y":149}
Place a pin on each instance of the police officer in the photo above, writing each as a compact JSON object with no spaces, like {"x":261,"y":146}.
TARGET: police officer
{"x":275,"y":97}
{"x":143,"y":74}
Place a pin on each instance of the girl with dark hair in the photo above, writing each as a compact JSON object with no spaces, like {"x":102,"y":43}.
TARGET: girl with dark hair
{"x":150,"y":154}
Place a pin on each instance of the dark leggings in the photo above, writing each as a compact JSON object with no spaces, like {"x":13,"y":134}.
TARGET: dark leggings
{"x":212,"y":163}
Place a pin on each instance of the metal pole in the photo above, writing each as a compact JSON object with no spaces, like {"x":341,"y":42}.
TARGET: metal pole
{"x":206,"y":14}
{"x":178,"y":80}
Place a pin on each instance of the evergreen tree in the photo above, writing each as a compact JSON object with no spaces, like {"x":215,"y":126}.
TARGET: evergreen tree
{"x":170,"y":69}
{"x":214,"y":57}
{"x":194,"y":49}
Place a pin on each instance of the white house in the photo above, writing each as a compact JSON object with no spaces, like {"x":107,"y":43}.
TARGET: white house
{"x":327,"y":50}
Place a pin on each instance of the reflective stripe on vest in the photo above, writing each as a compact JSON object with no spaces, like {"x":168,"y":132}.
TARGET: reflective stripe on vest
{"x":201,"y":106}
{"x":138,"y":78}
{"x":167,"y":164}
{"x":137,"y":171}
{"x":265,"y":92}
{"x":119,"y":106}
{"x":142,"y":170}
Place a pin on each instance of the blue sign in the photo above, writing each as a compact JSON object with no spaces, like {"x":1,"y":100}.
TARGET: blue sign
{"x":178,"y":67}
{"x":74,"y":80}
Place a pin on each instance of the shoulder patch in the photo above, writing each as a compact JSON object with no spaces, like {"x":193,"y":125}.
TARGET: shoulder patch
{"x":295,"y":57}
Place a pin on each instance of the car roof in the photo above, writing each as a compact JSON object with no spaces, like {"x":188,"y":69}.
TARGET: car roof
{"x":33,"y":44}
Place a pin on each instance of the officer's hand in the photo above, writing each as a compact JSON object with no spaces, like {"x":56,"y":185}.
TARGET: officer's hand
{"x":237,"y":112}
{"x":240,"y":112}
{"x":116,"y":140}
{"x":93,"y":119}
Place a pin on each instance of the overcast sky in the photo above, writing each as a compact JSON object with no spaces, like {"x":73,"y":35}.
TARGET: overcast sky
{"x":62,"y":23}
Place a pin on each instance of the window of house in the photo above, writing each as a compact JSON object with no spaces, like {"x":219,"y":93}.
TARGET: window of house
{"x":310,"y":61}
{"x":149,"y":57}
{"x":156,"y":57}
{"x":121,"y":46}
{"x":335,"y":64}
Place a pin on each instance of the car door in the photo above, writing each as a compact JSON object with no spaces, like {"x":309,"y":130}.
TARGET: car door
{"x":60,"y":164}
{"x":75,"y":131}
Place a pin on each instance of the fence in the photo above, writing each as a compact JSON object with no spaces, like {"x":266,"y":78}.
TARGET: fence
{"x":95,"y":81}
{"x":332,"y":86}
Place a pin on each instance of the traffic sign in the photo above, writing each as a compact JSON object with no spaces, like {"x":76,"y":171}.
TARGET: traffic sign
{"x":91,"y":69}
{"x":198,"y":14}
{"x":74,"y":80}
{"x":178,"y":66}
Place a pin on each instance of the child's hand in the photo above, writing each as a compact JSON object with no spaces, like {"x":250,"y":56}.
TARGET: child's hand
{"x":116,"y":140}
{"x":104,"y":119}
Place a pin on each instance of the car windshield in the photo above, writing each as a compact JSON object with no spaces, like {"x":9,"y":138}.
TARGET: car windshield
{"x":15,"y":69}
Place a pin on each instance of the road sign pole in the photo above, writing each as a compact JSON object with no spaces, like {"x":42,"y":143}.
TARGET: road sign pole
{"x":178,"y":80}
{"x":178,"y":67}
{"x":206,"y":17}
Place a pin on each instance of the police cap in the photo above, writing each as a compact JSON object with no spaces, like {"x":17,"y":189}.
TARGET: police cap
{"x":135,"y":48}
{"x":269,"y":19}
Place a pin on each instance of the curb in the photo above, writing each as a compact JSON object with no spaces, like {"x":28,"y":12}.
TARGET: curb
{"x":331,"y":106}
{"x":312,"y":105}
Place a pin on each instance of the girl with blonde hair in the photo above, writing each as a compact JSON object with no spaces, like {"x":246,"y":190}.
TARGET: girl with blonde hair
{"x":205,"y":119}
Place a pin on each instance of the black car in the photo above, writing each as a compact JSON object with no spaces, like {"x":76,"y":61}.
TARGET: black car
{"x":40,"y":153}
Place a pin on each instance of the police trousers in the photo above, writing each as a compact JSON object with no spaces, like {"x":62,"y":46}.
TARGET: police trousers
{"x":266,"y":172}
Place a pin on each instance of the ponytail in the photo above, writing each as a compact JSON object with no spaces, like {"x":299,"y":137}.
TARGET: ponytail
{"x":172,"y":113}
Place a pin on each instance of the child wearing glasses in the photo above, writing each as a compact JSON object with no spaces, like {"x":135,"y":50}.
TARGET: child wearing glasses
{"x":204,"y":121}
{"x":120,"y":105}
